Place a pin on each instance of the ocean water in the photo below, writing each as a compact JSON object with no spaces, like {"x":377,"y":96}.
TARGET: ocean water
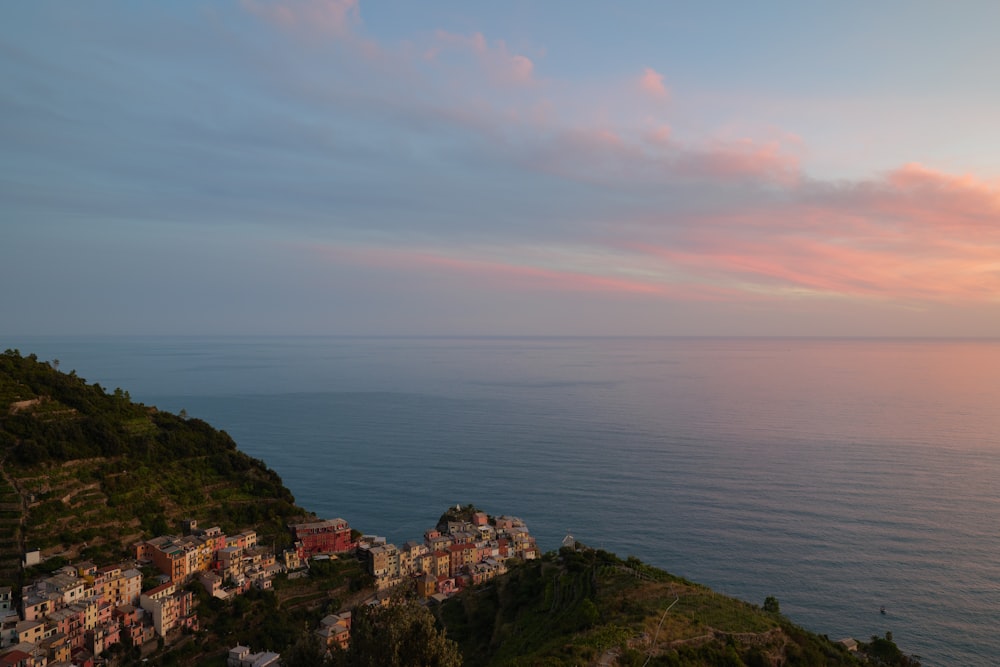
{"x":837,"y":475}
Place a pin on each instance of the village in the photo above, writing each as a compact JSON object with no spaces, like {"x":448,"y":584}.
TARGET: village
{"x":80,"y":612}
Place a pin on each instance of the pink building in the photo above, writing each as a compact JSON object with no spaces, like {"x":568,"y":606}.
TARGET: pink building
{"x":322,"y":537}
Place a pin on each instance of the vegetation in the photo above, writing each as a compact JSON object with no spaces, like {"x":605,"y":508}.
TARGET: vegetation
{"x":584,"y":606}
{"x":98,"y":471}
{"x":882,"y":651}
{"x":402,"y":634}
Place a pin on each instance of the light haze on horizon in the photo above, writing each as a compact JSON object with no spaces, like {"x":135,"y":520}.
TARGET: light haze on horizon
{"x":643,"y":168}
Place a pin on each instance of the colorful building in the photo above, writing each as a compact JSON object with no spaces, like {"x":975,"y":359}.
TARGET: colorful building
{"x":322,"y":537}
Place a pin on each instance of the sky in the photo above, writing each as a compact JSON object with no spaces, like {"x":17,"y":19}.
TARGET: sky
{"x":349,"y":167}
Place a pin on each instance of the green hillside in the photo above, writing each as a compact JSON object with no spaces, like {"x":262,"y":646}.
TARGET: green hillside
{"x":97,"y":472}
{"x":583,"y":607}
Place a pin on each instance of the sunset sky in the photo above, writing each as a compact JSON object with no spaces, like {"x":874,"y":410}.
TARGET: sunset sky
{"x":646,"y":168}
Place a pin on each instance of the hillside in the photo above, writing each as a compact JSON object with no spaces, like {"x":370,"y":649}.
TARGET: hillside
{"x":86,"y":472}
{"x":589,"y":607}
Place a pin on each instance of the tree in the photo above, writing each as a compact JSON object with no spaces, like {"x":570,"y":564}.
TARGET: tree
{"x":771,"y":605}
{"x":403,"y":634}
{"x":306,"y":652}
{"x":588,"y":614}
{"x":885,"y":652}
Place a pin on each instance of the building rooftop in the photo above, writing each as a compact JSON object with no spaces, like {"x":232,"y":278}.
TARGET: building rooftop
{"x":317,"y":525}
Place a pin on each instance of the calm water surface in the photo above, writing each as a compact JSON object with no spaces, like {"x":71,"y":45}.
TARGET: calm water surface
{"x":837,"y":475}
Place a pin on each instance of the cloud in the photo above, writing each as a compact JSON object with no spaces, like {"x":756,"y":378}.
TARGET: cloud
{"x":914,"y":235}
{"x":651,"y":159}
{"x":448,"y":160}
{"x":729,"y":160}
{"x":658,"y":134}
{"x":943,"y":201}
{"x":329,"y":17}
{"x":463,"y":80}
{"x":496,"y":60}
{"x":651,"y":83}
{"x":470,"y":267}
{"x":524,"y":271}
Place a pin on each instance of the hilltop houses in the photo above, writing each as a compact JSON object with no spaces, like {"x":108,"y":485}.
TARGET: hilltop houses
{"x":225,"y":565}
{"x":335,"y":630}
{"x":463,"y":553}
{"x":80,"y":611}
{"x":169,"y":608}
{"x":241,"y":656}
{"x":77,"y":611}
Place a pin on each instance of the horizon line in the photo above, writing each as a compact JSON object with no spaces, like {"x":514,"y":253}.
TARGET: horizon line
{"x":487,"y":336}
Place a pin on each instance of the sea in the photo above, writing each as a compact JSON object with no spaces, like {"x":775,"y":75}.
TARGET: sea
{"x":839,"y":475}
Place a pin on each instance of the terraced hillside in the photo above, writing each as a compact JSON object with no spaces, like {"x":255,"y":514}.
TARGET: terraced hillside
{"x":87,"y":472}
{"x":11,"y":516}
{"x":586,"y":607}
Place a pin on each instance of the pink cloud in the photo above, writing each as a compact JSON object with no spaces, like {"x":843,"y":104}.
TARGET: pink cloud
{"x":497,"y":61}
{"x":651,"y":158}
{"x":658,"y":135}
{"x":916,"y":235}
{"x":918,"y":195}
{"x":741,"y":159}
{"x":651,"y":83}
{"x":509,"y":275}
{"x":473,"y":272}
{"x":845,"y":246}
{"x":450,"y":76}
{"x":912,"y":234}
